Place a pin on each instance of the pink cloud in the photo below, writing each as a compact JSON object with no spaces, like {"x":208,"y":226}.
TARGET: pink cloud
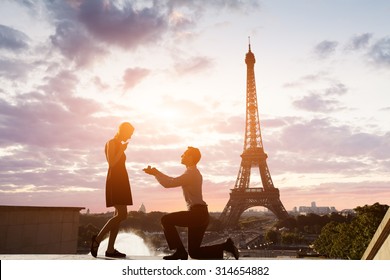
{"x":134,"y":76}
{"x":193,"y":65}
{"x":124,"y":26}
{"x":75,"y":44}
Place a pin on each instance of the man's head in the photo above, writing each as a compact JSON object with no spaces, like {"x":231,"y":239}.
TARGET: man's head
{"x":191,"y":156}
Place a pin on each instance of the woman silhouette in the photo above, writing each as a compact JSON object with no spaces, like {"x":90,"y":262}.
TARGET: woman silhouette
{"x":118,"y":192}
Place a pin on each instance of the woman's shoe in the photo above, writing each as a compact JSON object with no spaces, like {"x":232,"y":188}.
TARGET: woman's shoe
{"x":116,"y":254}
{"x":94,"y":246}
{"x":178,"y":255}
{"x":231,"y":248}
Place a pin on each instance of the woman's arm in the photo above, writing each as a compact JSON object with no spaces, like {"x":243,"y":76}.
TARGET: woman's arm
{"x":112,"y":157}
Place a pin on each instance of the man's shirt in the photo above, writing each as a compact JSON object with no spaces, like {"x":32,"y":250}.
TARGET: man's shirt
{"x":191,"y":183}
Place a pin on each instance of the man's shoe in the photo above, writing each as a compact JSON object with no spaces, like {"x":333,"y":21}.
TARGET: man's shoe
{"x":178,"y":255}
{"x":231,"y":248}
{"x":116,"y":254}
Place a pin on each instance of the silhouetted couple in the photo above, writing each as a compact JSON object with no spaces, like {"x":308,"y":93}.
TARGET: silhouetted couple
{"x":196,"y":218}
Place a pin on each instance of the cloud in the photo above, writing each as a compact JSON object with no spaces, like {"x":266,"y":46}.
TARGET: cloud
{"x":359,"y":42}
{"x":75,"y":44}
{"x":319,"y":138}
{"x":380,"y":52}
{"x":336,"y":89}
{"x":238,"y":5}
{"x":100,"y":84}
{"x":183,"y":15}
{"x":325,"y":48}
{"x":200,"y":6}
{"x":50,"y":116}
{"x":325,"y":101}
{"x":312,"y":78}
{"x":124,"y":25}
{"x":228,"y":124}
{"x":179,"y":21}
{"x":85,"y":30}
{"x":193,"y":65}
{"x":134,"y":76}
{"x":316,"y":103}
{"x":14,"y":69}
{"x":12,"y":39}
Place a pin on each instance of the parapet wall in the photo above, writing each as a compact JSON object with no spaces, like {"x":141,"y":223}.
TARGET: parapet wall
{"x":39,"y":230}
{"x":379,"y":247}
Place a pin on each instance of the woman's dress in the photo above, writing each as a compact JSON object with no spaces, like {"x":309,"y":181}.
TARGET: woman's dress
{"x":118,"y":190}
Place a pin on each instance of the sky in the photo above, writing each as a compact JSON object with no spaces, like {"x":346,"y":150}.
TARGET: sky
{"x":72,"y":71}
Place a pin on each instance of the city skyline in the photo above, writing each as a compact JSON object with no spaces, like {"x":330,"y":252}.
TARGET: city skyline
{"x":72,"y":71}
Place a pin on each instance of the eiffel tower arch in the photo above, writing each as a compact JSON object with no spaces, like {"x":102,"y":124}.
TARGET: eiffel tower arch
{"x":242,"y":197}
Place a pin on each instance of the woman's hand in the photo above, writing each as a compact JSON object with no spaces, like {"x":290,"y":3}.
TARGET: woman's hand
{"x":124,"y":146}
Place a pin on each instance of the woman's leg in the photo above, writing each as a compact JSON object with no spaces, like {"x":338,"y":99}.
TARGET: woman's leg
{"x":121,"y":215}
{"x":112,"y":226}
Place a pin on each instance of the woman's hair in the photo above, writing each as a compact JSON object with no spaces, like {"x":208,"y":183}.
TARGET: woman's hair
{"x":125,"y":126}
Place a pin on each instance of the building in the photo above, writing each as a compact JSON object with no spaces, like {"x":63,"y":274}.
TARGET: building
{"x":314,"y":209}
{"x":142,"y":208}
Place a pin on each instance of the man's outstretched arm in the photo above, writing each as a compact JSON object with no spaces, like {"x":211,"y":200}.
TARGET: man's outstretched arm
{"x":165,"y":180}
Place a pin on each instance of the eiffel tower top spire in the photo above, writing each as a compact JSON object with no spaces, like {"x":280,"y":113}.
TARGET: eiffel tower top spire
{"x":252,"y":129}
{"x":250,"y":57}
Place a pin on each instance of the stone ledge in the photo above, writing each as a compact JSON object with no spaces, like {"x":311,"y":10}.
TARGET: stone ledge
{"x":39,"y":229}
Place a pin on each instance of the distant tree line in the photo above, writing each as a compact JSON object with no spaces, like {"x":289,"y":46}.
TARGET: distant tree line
{"x":300,"y":230}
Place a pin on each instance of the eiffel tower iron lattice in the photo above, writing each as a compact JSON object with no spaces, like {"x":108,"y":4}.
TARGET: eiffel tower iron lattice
{"x":242,"y":197}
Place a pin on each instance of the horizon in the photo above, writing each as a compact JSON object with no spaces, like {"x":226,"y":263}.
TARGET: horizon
{"x":71,"y":72}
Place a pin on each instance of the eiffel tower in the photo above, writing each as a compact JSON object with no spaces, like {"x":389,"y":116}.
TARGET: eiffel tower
{"x":242,"y":197}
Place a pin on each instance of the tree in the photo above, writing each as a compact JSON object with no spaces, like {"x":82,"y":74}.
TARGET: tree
{"x":349,"y":240}
{"x":290,"y":238}
{"x":272,"y":236}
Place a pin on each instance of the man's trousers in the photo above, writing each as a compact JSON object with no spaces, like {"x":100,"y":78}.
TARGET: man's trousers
{"x":196,"y":220}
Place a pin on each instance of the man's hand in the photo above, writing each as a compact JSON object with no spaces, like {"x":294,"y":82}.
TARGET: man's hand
{"x":150,"y":170}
